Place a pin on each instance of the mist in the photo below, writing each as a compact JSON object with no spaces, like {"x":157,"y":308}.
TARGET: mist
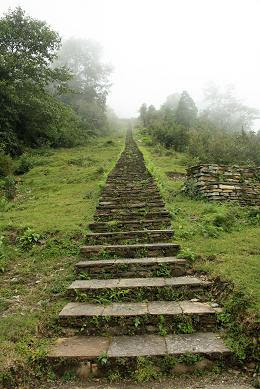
{"x":158,"y":48}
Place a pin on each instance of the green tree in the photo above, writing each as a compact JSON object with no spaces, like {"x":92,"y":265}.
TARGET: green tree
{"x":186,"y":111}
{"x":90,"y":82}
{"x":227,"y":111}
{"x":29,"y":114}
{"x":143,"y":113}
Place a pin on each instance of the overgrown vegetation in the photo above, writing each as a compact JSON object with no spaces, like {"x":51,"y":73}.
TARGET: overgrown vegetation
{"x":221,"y":239}
{"x":40,"y":234}
{"x":52,"y":94}
{"x":220,"y":133}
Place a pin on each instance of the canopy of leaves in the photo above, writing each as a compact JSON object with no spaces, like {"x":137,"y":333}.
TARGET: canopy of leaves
{"x":175,"y":126}
{"x":90,"y":82}
{"x":30,"y":115}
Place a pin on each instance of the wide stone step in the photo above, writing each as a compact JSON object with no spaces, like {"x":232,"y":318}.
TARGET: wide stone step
{"x":135,"y":203}
{"x":134,"y":192}
{"x":129,"y":224}
{"x":139,"y":289}
{"x":131,"y":198}
{"x":143,"y":236}
{"x":141,"y":209}
{"x":133,"y":267}
{"x":122,"y":216}
{"x":89,"y":348}
{"x":130,"y":250}
{"x":139,"y":318}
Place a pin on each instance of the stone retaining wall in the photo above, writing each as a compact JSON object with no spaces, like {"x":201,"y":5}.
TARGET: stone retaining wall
{"x":222,"y":182}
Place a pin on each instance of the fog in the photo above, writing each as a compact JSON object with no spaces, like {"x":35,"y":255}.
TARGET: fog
{"x":161,"y":47}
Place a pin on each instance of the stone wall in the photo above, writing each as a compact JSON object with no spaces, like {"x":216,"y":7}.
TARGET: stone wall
{"x":222,"y":182}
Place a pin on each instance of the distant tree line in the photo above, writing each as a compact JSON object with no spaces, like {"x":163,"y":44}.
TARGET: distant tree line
{"x":220,"y":133}
{"x":51,"y":93}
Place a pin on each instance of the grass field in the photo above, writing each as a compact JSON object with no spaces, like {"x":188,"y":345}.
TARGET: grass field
{"x":224,"y":237}
{"x":40,"y":235}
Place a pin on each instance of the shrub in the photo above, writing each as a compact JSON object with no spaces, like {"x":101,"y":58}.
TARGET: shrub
{"x":9,"y":187}
{"x":29,"y":238}
{"x":24,"y":164}
{"x":6,"y":165}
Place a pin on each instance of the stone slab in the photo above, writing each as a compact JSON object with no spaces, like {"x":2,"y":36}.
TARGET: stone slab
{"x":200,"y":342}
{"x":79,"y":347}
{"x":81,"y":309}
{"x":136,"y":283}
{"x":94,"y":284}
{"x":132,"y":346}
{"x":164,"y":308}
{"x":90,"y":347}
{"x":190,"y":308}
{"x":141,"y":282}
{"x":126,"y":309}
{"x":186,"y":280}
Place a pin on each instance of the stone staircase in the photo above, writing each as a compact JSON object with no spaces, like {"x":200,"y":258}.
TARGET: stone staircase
{"x":133,"y":297}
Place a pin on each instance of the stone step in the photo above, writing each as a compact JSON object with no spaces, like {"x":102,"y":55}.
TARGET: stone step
{"x":134,"y":192}
{"x":139,"y":289}
{"x":139,"y":318}
{"x":133,"y":267}
{"x":132,"y":203}
{"x":130,"y":198}
{"x":129,"y":224}
{"x":108,"y":205}
{"x":91,"y":347}
{"x":108,"y":216}
{"x":130,"y":250}
{"x":143,"y":236}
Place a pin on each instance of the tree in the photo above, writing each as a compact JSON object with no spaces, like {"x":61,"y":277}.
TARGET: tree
{"x":90,"y":82}
{"x":29,"y":114}
{"x":143,"y":113}
{"x":226,"y":111}
{"x":186,"y":111}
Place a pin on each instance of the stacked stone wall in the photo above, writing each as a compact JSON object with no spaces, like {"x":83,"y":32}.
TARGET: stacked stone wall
{"x":222,"y":182}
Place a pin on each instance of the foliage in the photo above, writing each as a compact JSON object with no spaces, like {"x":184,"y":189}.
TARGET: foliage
{"x":220,"y":134}
{"x":38,"y":277}
{"x":226,"y":111}
{"x":24,"y":164}
{"x":9,"y":187}
{"x":215,"y":232}
{"x":211,"y":144}
{"x":90,"y":82}
{"x":29,"y":238}
{"x":186,"y":111}
{"x":6,"y":165}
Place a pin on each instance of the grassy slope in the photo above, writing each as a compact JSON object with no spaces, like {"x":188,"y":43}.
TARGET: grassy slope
{"x":230,"y":250}
{"x":56,"y":199}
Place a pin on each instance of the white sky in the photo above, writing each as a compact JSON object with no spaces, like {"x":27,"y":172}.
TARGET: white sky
{"x":159,"y":47}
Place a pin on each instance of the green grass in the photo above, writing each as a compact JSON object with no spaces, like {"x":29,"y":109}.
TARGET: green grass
{"x":57,"y":200}
{"x":61,"y":193}
{"x":224,"y":237}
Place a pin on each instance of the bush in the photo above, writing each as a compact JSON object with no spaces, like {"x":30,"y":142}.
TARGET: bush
{"x":9,"y":187}
{"x":24,"y":164}
{"x":6,"y":165}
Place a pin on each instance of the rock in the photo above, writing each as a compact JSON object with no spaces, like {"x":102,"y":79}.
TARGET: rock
{"x":181,"y":368}
{"x":204,"y":364}
{"x":96,"y":370}
{"x":214,"y":305}
{"x":84,"y":371}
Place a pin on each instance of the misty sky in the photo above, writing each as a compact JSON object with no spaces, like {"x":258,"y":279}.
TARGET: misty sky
{"x":158,"y":47}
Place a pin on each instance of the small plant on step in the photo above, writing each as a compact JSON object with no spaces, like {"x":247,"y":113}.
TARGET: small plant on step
{"x":146,"y":370}
{"x":103,"y":359}
{"x":187,"y":254}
